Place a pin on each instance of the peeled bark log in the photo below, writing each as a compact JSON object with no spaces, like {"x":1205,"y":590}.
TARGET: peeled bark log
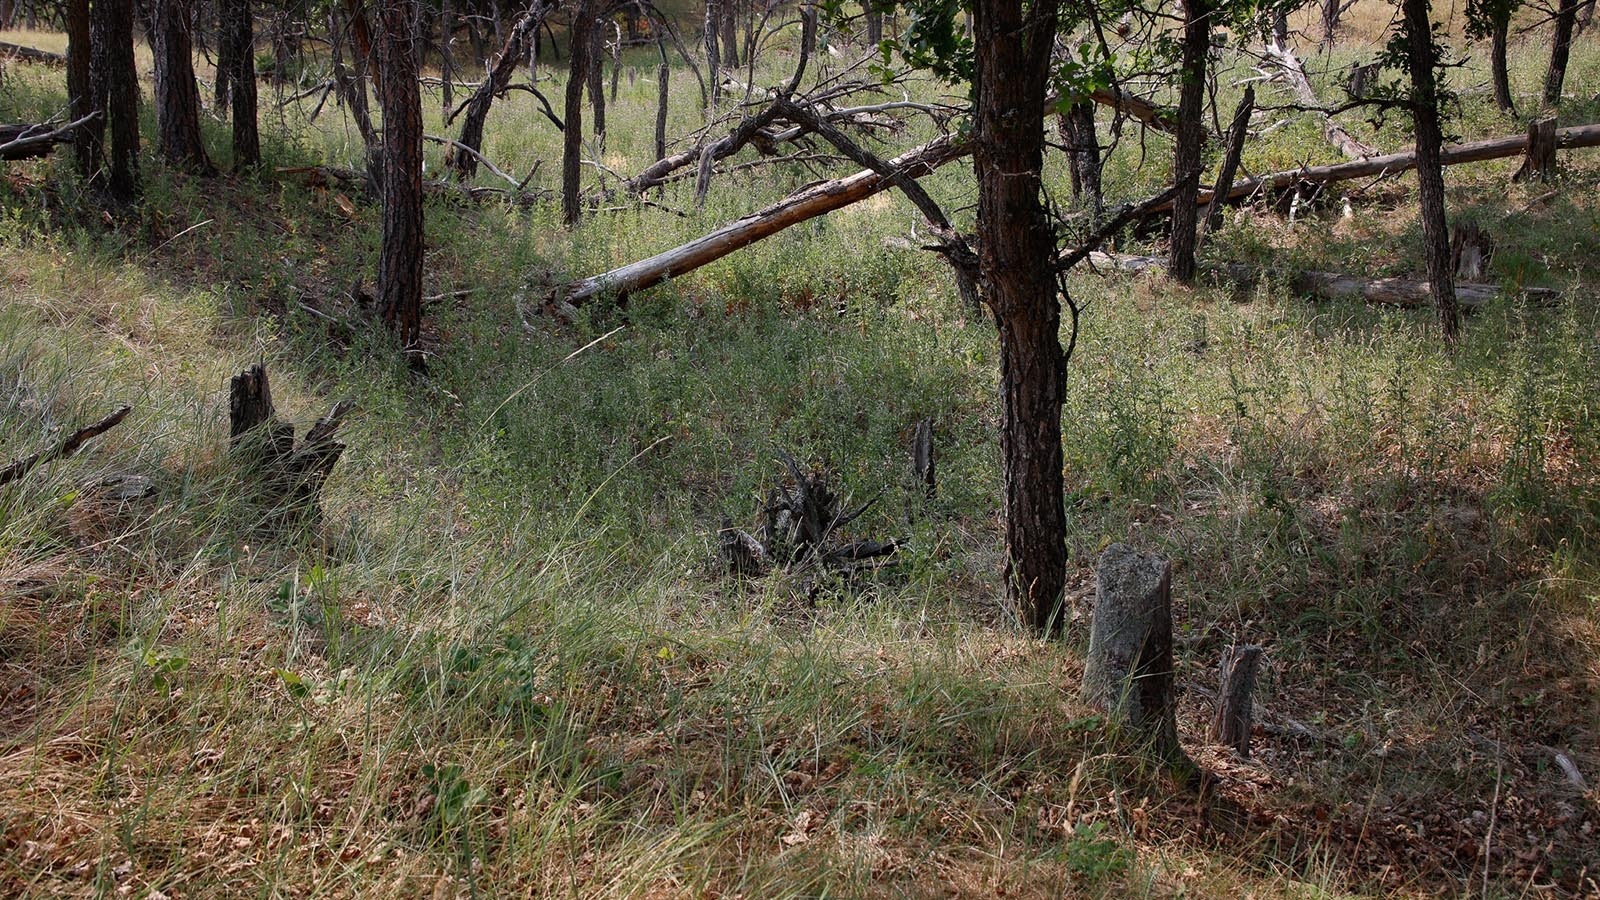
{"x":1128,"y":671}
{"x":1231,"y":725}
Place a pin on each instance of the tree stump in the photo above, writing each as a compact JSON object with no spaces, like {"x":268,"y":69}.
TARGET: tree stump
{"x":1128,"y":674}
{"x":1231,"y":725}
{"x":1471,"y":248}
{"x":1539,"y":160}
{"x":922,"y":462}
{"x":287,"y":477}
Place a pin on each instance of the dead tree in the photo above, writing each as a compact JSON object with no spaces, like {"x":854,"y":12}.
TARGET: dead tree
{"x":1232,"y":722}
{"x":572,"y":137}
{"x":1237,"y":131}
{"x":495,"y":83}
{"x":287,"y":478}
{"x":1128,"y":671}
{"x":1295,"y":74}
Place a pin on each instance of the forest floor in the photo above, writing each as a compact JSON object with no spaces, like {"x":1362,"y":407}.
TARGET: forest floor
{"x":507,"y":663}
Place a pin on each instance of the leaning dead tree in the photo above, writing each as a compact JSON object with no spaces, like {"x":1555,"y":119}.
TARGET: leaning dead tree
{"x":1294,"y":74}
{"x":285,"y":476}
{"x":495,"y":84}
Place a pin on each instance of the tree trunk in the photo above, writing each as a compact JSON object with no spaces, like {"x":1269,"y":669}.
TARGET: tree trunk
{"x":495,"y":82}
{"x":447,"y":59}
{"x":80,"y":88}
{"x":597,"y":92}
{"x":1238,"y":129}
{"x":223,"y":93}
{"x":713,"y":57}
{"x":1191,"y":138}
{"x":1083,"y":155}
{"x":238,"y":47}
{"x":1128,"y":670}
{"x":730,"y":30}
{"x":116,"y":91}
{"x":400,"y":263}
{"x":1421,"y":56}
{"x":874,"y":24}
{"x":177,"y":95}
{"x":1560,"y":48}
{"x":1010,"y":83}
{"x":1497,"y":63}
{"x":1539,"y":160}
{"x":572,"y":137}
{"x":663,"y":82}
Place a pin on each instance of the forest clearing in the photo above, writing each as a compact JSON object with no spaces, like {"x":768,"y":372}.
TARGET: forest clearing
{"x":455,"y":448}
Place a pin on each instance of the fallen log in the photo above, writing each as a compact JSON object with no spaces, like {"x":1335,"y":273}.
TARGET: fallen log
{"x":31,"y":54}
{"x":1572,"y":138}
{"x":32,"y":141}
{"x":66,"y":448}
{"x":1402,"y":292}
{"x":803,"y":205}
{"x":1336,"y":134}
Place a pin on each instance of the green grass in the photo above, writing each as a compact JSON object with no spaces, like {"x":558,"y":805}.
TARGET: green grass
{"x":506,"y":663}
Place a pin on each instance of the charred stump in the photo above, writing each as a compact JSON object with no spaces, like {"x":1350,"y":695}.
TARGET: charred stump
{"x":287,"y":477}
{"x":1539,"y":161}
{"x":923,"y":464}
{"x":1471,"y":248}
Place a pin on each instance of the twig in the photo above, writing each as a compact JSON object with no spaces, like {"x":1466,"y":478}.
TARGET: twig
{"x":71,"y":445}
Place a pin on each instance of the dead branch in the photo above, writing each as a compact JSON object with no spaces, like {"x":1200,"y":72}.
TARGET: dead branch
{"x":31,"y":54}
{"x":28,"y":141}
{"x":1295,"y":73}
{"x":67,"y":448}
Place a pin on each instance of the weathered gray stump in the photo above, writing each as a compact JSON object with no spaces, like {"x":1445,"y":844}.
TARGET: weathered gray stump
{"x":288,"y":477}
{"x":1539,"y":160}
{"x":1231,"y":725}
{"x":922,"y":462}
{"x":1128,"y":674}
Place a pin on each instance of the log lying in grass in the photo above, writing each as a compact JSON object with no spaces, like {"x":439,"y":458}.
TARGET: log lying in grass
{"x":66,"y":448}
{"x":805,"y":204}
{"x":287,"y":477}
{"x":27,"y":141}
{"x":1571,"y":138}
{"x":31,"y":54}
{"x":1402,"y":292}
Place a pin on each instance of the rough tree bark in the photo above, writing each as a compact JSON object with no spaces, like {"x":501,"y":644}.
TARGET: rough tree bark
{"x":1238,"y":129}
{"x":1191,"y":138}
{"x":1421,"y":56}
{"x":1500,"y":74}
{"x":596,"y":81}
{"x":236,"y":54}
{"x":572,"y":137}
{"x":400,"y":262}
{"x":177,"y":94}
{"x":116,"y":93}
{"x":1013,"y":43}
{"x":1083,"y":155}
{"x":713,"y":57}
{"x":1560,"y":49}
{"x":80,"y":87}
{"x":1235,"y":695}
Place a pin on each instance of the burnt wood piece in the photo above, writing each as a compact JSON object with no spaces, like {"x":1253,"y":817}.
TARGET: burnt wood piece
{"x":1539,"y":160}
{"x":288,"y":477}
{"x":25,"y":141}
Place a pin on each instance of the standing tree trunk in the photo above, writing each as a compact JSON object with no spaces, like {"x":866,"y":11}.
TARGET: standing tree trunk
{"x":730,"y":31}
{"x":177,"y":95}
{"x":116,"y":92}
{"x":1497,"y":64}
{"x":874,"y":24}
{"x":447,"y":59}
{"x":1560,"y":47}
{"x":1421,"y":57}
{"x":713,"y":57}
{"x":663,"y":82}
{"x":495,"y":82}
{"x":572,"y":135}
{"x":1083,"y":155}
{"x":237,"y":47}
{"x":225,"y":63}
{"x":80,"y":87}
{"x":597,"y":92}
{"x":400,"y":262}
{"x":1191,"y":138}
{"x":1011,"y":78}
